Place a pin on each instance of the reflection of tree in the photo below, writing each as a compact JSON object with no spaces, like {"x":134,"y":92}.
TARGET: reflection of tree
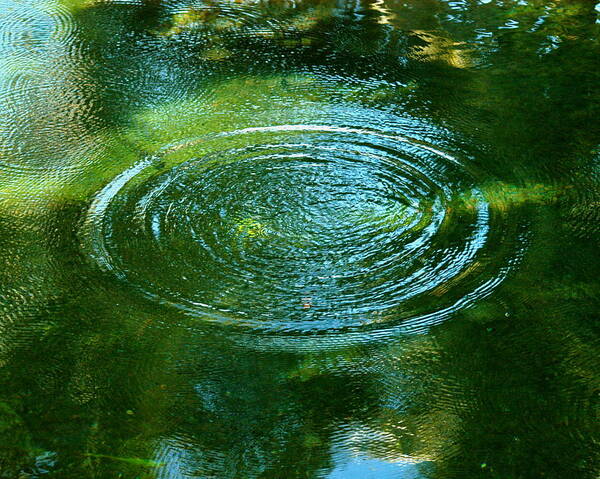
{"x":102,"y":389}
{"x":495,"y":400}
{"x":508,"y":388}
{"x":96,"y":381}
{"x":246,"y":414}
{"x":126,"y":391}
{"x":478,"y":396}
{"x":531,"y":93}
{"x":506,"y":73}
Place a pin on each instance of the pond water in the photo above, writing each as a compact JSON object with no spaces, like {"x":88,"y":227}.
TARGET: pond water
{"x":299,"y":239}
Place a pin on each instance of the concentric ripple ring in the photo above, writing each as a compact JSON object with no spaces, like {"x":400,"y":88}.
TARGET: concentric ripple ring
{"x":300,"y":228}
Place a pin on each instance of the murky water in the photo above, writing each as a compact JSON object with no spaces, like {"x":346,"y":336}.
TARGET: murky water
{"x":305,"y":239}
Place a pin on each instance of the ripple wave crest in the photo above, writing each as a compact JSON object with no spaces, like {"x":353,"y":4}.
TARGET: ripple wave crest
{"x":301,"y":228}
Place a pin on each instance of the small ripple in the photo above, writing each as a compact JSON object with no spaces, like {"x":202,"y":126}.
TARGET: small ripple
{"x":242,"y":20}
{"x":41,"y":84}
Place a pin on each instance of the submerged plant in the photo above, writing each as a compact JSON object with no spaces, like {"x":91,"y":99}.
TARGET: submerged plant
{"x":252,"y":228}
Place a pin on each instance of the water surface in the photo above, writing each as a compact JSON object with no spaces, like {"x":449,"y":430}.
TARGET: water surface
{"x":306,"y":239}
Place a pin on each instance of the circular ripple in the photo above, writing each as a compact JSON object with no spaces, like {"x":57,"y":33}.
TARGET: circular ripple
{"x":40,"y":89}
{"x":300,"y":228}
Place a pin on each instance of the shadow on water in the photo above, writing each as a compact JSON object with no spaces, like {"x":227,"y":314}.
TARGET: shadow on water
{"x":100,"y":392}
{"x":487,"y":369}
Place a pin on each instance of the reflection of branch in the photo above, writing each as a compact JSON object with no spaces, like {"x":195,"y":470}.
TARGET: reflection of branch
{"x":379,"y":6}
{"x":439,"y":48}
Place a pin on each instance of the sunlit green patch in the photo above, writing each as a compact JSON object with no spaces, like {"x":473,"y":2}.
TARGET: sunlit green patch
{"x":440,"y":48}
{"x":234,"y":104}
{"x":134,"y":461}
{"x":196,"y":127}
{"x":384,"y":220}
{"x":181,"y":21}
{"x":75,"y":6}
{"x":216,"y":53}
{"x":80,"y":174}
{"x":195,"y":18}
{"x":303,"y":17}
{"x":502,"y":196}
{"x":252,"y":228}
{"x":247,"y":101}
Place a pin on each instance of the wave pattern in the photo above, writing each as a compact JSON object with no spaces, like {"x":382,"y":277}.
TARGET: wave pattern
{"x":299,"y":228}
